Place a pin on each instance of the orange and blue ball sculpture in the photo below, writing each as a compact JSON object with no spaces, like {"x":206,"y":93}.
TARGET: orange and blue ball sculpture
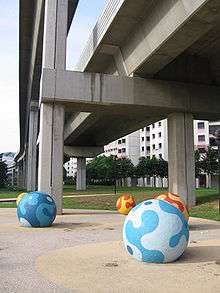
{"x":175,"y":200}
{"x":20,"y":196}
{"x":125,"y":203}
{"x":36,"y":209}
{"x":155,"y":231}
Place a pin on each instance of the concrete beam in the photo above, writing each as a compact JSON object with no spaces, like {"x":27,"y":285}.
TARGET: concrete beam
{"x":77,"y":124}
{"x":150,"y":33}
{"x":168,"y":29}
{"x":81,"y":151}
{"x":115,"y":51}
{"x":93,"y":91}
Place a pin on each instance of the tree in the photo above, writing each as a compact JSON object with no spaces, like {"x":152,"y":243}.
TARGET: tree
{"x":141,"y":169}
{"x":198,"y":164}
{"x":155,"y":169}
{"x":162,"y":170}
{"x":209,"y":162}
{"x":105,"y":169}
{"x":152,"y":168}
{"x":124,"y":168}
{"x":3,"y":174}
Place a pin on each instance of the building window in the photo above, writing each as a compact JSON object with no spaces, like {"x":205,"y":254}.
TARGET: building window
{"x":159,"y":123}
{"x":201,"y":138}
{"x":160,"y":156}
{"x":123,"y":140}
{"x":142,"y":129}
{"x":148,"y":148}
{"x":153,"y":135}
{"x":119,"y":141}
{"x":148,"y":138}
{"x":153,"y":157}
{"x":153,"y":125}
{"x":142,"y":149}
{"x":123,"y":150}
{"x":153,"y":146}
{"x":159,"y":134}
{"x":119,"y":151}
{"x":142,"y":138}
{"x":160,"y":145}
{"x":201,"y":125}
{"x":148,"y":157}
{"x":148,"y":128}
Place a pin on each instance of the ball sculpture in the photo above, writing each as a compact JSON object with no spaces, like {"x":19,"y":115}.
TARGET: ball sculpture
{"x":20,"y":196}
{"x":155,"y":231}
{"x":175,"y":200}
{"x":36,"y":209}
{"x":125,"y":203}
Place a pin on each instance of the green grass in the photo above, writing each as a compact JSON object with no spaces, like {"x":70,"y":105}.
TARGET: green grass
{"x":206,"y":207}
{"x":108,"y":202}
{"x":8,"y":205}
{"x":6,"y":193}
{"x":96,"y":189}
{"x":208,"y":210}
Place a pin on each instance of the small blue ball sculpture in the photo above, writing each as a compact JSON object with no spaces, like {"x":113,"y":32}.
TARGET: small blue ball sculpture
{"x":36,"y":209}
{"x":155,"y":231}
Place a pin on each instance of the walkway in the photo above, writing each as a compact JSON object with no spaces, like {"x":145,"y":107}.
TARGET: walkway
{"x":83,"y":252}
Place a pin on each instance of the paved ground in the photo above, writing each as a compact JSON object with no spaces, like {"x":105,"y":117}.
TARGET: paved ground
{"x":83,"y":252}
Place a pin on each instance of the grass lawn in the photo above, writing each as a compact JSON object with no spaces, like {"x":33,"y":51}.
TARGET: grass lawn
{"x":207,"y":199}
{"x":107,"y":202}
{"x":6,"y":193}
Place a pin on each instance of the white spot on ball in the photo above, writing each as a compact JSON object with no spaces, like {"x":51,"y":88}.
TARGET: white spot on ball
{"x":24,"y":222}
{"x":49,"y":199}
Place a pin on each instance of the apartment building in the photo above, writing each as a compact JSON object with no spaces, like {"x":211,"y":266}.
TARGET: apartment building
{"x":152,"y":141}
{"x":71,"y":167}
{"x":125,"y":147}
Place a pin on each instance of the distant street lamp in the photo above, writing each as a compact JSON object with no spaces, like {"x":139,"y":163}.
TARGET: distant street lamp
{"x":217,"y":139}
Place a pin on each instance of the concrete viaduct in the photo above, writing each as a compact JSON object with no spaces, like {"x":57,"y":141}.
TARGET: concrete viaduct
{"x":145,"y":60}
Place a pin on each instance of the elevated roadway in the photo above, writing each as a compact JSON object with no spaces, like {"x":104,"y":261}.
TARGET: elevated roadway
{"x":144,"y":61}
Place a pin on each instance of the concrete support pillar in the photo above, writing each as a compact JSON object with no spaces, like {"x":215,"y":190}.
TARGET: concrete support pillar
{"x":208,"y":181}
{"x":13,"y":177}
{"x":181,"y":156}
{"x":24,"y":172}
{"x":32,"y":149}
{"x":50,"y":170}
{"x":21,"y":175}
{"x":81,"y":174}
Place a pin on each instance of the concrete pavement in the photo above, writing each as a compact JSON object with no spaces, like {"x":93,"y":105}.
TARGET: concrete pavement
{"x":83,"y":252}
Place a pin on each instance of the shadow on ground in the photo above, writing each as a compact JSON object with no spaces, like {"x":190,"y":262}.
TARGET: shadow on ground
{"x":73,"y":226}
{"x":200,"y":254}
{"x":94,"y":212}
{"x":205,"y":226}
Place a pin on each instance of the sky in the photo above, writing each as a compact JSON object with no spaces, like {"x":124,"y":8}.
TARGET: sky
{"x":86,"y":16}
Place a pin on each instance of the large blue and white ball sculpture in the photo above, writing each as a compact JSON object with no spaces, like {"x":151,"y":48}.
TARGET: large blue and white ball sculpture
{"x":36,"y":209}
{"x":155,"y":231}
